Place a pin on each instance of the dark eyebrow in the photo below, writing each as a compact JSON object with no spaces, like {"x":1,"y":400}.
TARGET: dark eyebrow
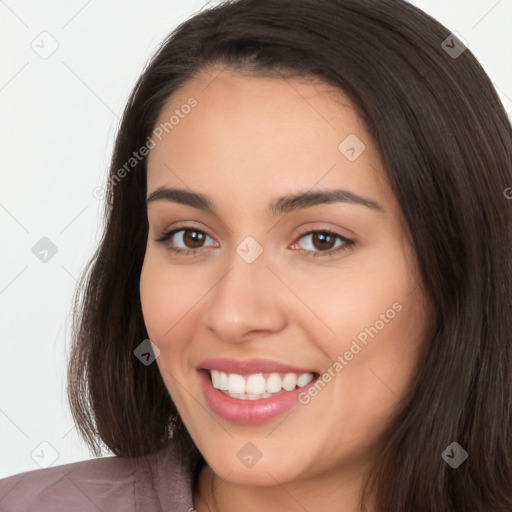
{"x":283,"y":204}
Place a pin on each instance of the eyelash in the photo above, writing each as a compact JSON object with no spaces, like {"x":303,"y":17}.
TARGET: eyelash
{"x":347,"y":244}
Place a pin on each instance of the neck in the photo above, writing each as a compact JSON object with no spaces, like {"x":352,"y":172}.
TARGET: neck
{"x":330,"y":492}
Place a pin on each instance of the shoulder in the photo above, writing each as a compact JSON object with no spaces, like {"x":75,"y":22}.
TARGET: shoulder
{"x":87,"y":485}
{"x":108,"y":483}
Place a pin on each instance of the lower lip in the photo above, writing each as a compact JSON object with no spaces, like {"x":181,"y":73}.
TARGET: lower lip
{"x":248,"y":412}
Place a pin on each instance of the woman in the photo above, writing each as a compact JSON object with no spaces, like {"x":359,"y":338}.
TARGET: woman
{"x":302,"y":297}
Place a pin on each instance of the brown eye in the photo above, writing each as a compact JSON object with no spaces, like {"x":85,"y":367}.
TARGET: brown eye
{"x":193,"y":239}
{"x":188,"y":240}
{"x":323,"y":243}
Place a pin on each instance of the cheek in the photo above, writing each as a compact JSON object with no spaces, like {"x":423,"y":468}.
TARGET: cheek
{"x":160,"y":308}
{"x":164,"y":310}
{"x":389,"y":348}
{"x":166,"y":298}
{"x":377,"y":318}
{"x":153,"y":299}
{"x":348,"y":302}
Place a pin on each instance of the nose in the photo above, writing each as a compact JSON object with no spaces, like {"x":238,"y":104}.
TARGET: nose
{"x":249,"y":301}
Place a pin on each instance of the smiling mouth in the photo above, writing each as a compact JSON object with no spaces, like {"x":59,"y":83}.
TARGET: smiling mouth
{"x":258,"y":386}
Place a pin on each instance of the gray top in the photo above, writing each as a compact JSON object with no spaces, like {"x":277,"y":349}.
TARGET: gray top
{"x":153,"y":483}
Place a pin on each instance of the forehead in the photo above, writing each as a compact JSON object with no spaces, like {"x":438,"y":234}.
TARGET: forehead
{"x":248,"y":136}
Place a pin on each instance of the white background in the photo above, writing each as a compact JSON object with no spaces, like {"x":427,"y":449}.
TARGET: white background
{"x":58,"y":119}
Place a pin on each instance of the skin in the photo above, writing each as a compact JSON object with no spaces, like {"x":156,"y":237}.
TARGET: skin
{"x":249,"y":140}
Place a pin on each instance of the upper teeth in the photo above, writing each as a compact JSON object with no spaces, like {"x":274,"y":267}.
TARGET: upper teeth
{"x":257,"y":384}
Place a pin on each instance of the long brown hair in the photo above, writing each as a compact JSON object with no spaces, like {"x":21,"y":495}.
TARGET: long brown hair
{"x":446,"y":144}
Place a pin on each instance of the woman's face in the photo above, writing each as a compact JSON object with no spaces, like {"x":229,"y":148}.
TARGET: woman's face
{"x":270,"y":291}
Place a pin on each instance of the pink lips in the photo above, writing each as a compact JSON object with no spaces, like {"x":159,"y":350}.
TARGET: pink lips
{"x":249,"y":366}
{"x":248,"y":412}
